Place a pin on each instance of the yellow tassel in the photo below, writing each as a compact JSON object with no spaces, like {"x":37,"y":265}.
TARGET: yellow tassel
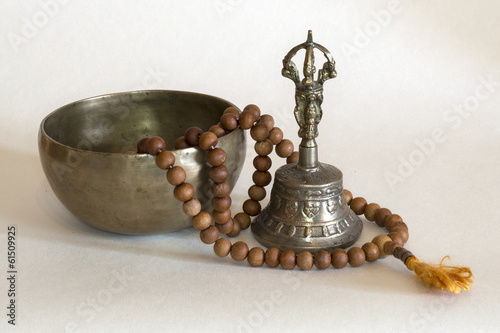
{"x":441,"y":276}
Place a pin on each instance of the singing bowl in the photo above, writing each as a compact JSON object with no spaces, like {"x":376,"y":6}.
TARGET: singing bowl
{"x":87,"y":150}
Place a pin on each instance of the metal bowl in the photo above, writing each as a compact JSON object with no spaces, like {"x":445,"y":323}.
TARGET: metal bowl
{"x":86,"y":152}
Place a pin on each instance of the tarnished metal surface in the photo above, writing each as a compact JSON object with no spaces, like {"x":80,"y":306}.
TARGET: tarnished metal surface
{"x":85,"y":153}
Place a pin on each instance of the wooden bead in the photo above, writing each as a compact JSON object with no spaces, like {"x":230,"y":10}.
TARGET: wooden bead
{"x":272,"y":257}
{"x":257,"y":193}
{"x":218,"y":174}
{"x":221,"y":204}
{"x":243,"y":219}
{"x":239,"y":251}
{"x":389,"y":247}
{"x":284,"y":148}
{"x":216,"y":157}
{"x":217,"y":130}
{"x":254,"y":109}
{"x":256,"y":257}
{"x":181,"y":143}
{"x":288,"y":259}
{"x":322,"y":259}
{"x":370,"y":210}
{"x":192,"y":135}
{"x":228,"y":121}
{"x":220,"y":189}
{"x":403,"y":232}
{"x":247,"y":119}
{"x":232,"y":110}
{"x":358,"y":205}
{"x":142,"y":147}
{"x":252,"y":207}
{"x":305,"y":260}
{"x":225,"y":228}
{"x":380,"y":215}
{"x":222,"y":247}
{"x":356,"y":256}
{"x":380,"y":240}
{"x":339,"y":258}
{"x":191,"y":207}
{"x":202,"y":220}
{"x":259,"y":132}
{"x":165,"y":160}
{"x":347,"y":196}
{"x":371,"y":251}
{"x":262,"y":163}
{"x":176,"y":175}
{"x":221,"y":217}
{"x":262,"y":178}
{"x":184,"y":192}
{"x":294,"y":158}
{"x":275,"y":135}
{"x":263,"y":148}
{"x":208,"y":140}
{"x":155,"y":145}
{"x":209,"y":235}
{"x":236,"y":229}
{"x":396,"y":237}
{"x":397,"y":224}
{"x":392,"y":219}
{"x":267,"y":120}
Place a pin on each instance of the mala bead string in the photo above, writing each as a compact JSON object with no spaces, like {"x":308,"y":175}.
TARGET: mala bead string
{"x":267,"y":137}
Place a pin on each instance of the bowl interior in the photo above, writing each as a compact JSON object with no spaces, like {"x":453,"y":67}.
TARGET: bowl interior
{"x":114,"y":123}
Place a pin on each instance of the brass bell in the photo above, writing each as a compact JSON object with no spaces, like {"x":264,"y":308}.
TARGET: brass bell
{"x":307,"y":209}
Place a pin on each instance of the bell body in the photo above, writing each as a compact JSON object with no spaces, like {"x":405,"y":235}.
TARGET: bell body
{"x":307,"y":211}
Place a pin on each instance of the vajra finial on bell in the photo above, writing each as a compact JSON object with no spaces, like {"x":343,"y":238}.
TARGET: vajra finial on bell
{"x":308,"y":96}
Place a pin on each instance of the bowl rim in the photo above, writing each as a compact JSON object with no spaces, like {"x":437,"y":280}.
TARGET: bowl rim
{"x":43,"y":134}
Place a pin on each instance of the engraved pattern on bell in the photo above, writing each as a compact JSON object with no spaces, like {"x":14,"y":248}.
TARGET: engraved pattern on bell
{"x":276,"y":203}
{"x":331,"y":206}
{"x":291,"y":207}
{"x":311,"y":208}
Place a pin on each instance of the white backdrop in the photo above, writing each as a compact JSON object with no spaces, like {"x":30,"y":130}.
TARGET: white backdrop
{"x":412,"y":121}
